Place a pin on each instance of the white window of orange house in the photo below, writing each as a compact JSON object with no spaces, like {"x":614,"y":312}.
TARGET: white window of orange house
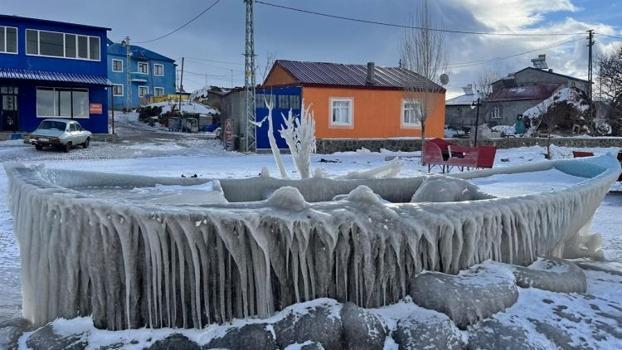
{"x":8,"y":40}
{"x":158,"y":69}
{"x":411,"y":114}
{"x":117,"y":89}
{"x":158,"y":91}
{"x":117,"y":65}
{"x":143,"y":67}
{"x":143,"y":91}
{"x":341,"y":111}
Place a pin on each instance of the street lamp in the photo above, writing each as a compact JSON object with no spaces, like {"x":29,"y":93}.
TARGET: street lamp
{"x":476,"y":104}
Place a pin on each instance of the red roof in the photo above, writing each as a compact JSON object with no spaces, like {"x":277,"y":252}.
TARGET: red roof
{"x":521,"y":93}
{"x":354,"y":75}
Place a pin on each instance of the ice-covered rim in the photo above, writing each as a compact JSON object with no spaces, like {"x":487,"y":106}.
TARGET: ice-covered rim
{"x":131,"y":265}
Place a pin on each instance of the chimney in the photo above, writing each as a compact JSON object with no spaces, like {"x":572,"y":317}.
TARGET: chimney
{"x":468,"y":90}
{"x":371,"y":73}
{"x":540,"y":62}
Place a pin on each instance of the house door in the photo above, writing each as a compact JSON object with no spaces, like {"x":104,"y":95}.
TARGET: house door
{"x":9,"y":113}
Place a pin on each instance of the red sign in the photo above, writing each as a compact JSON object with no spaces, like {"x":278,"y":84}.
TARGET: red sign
{"x":228,"y":134}
{"x":96,"y":108}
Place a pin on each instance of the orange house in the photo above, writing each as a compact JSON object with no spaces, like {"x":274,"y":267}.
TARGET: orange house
{"x":363,"y":101}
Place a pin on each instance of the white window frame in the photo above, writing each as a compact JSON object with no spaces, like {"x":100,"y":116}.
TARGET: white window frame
{"x":156,"y":89}
{"x":3,"y":49}
{"x":117,"y":60}
{"x":65,"y":89}
{"x":409,"y":125}
{"x":64,"y":56}
{"x":333,"y":124}
{"x":122,"y":89}
{"x":140,"y":87}
{"x":155,"y":71}
{"x":496,"y":113}
{"x":146,"y":64}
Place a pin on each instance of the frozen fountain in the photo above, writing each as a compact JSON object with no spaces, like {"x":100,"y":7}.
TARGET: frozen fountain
{"x":138,"y":251}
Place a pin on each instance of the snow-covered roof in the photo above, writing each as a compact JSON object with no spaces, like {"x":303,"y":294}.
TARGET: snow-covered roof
{"x":462,"y":100}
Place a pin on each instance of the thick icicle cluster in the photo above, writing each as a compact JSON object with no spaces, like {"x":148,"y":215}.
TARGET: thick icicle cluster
{"x":274,"y":243}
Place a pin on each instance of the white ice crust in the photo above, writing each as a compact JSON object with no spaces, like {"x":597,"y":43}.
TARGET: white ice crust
{"x":90,"y":248}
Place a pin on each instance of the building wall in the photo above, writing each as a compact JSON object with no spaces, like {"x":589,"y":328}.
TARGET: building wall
{"x":536,"y":76}
{"x":150,"y":80}
{"x":377,"y":113}
{"x":508,"y":111}
{"x":279,"y":76}
{"x":460,"y":116}
{"x":531,"y":76}
{"x":98,"y":94}
{"x":53,"y":64}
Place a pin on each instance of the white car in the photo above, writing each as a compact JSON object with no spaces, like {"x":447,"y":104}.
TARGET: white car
{"x":60,"y":133}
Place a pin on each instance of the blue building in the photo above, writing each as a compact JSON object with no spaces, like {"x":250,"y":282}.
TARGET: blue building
{"x":144,"y":74}
{"x":52,"y":69}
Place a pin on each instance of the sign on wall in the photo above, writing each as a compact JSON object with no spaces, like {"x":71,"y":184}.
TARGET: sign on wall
{"x":96,"y":108}
{"x":228,"y":134}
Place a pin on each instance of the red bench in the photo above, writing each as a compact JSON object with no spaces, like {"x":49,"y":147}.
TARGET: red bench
{"x":438,"y":152}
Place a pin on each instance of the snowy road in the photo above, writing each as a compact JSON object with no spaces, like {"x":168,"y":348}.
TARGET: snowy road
{"x":174,"y":156}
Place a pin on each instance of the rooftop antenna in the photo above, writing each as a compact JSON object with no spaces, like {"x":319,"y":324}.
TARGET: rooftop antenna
{"x":249,"y":78}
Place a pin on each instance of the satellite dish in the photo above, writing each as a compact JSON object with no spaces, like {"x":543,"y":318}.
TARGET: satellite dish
{"x":444,"y":79}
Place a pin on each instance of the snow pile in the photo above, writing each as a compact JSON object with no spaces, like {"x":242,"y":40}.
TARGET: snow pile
{"x":186,"y":107}
{"x":570,"y":96}
{"x":166,"y":265}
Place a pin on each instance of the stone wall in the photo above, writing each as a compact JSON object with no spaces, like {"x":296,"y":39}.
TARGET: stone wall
{"x":408,"y":145}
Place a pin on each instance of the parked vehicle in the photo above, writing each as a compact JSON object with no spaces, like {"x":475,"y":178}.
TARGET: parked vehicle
{"x":60,"y":133}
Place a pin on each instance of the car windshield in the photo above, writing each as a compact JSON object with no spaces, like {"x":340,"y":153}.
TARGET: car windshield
{"x":52,"y":124}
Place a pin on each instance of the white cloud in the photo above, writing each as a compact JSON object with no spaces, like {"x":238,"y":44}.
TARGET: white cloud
{"x":531,"y":16}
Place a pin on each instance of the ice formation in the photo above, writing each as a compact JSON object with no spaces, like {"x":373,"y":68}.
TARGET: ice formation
{"x":90,"y":246}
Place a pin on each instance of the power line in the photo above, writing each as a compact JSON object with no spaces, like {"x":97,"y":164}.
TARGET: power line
{"x":204,"y":60}
{"x":181,"y":26}
{"x":610,"y":36}
{"x":478,"y":62}
{"x":404,"y":26}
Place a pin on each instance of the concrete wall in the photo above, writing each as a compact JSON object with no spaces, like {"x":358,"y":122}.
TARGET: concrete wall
{"x":325,"y":146}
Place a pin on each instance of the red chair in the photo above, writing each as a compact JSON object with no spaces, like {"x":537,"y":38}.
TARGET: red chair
{"x":486,"y":156}
{"x":432,"y":155}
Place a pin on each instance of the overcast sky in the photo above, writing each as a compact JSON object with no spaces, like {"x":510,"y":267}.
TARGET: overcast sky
{"x":214,"y":44}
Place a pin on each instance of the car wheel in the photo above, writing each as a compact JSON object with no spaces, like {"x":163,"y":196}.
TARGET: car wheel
{"x":67,"y":147}
{"x":86,"y":142}
{"x":38,"y":147}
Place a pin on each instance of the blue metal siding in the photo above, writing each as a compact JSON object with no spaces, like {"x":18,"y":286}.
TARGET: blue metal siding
{"x":28,"y":120}
{"x":284,"y":98}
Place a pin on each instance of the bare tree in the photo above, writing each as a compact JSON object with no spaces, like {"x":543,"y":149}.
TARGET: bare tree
{"x":423,"y":52}
{"x":610,"y":81}
{"x":484,"y":82}
{"x":270,"y":58}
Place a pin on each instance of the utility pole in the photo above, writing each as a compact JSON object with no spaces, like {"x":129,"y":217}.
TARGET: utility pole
{"x":249,"y":78}
{"x":590,"y":44}
{"x":128,"y":93}
{"x":181,"y":84}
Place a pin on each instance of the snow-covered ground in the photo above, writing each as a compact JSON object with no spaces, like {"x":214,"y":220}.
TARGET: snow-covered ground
{"x":189,"y":156}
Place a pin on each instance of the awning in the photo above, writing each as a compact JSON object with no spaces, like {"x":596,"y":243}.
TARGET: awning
{"x":26,"y":74}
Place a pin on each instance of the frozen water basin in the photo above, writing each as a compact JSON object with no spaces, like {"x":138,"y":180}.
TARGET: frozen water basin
{"x":176,"y":195}
{"x":516,"y":184}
